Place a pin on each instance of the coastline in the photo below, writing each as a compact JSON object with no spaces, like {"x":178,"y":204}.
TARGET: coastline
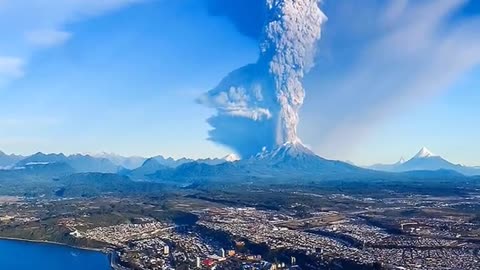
{"x":109,"y":252}
{"x":104,"y":251}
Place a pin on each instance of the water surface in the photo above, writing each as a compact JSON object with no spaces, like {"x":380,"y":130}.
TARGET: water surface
{"x":20,"y":255}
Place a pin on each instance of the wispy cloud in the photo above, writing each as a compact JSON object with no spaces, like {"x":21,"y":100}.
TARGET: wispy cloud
{"x":10,"y":68}
{"x":406,"y":52}
{"x":47,"y":37}
{"x":29,"y":26}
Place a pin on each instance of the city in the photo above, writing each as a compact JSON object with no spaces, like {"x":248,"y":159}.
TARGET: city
{"x":386,"y":234}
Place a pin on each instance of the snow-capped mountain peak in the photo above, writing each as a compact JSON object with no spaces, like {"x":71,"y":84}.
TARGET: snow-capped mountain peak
{"x":288,"y":149}
{"x":231,"y":158}
{"x":424,"y":153}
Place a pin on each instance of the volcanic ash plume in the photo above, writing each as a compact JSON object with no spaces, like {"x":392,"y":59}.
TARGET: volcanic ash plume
{"x":257,"y":105}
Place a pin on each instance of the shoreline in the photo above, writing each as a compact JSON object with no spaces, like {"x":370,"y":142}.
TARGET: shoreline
{"x":109,"y":252}
{"x":104,"y":251}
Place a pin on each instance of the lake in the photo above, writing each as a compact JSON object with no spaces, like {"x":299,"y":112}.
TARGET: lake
{"x":19,"y":255}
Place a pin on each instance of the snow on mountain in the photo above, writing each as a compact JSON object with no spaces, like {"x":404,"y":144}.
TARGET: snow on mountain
{"x":130,"y":162}
{"x":287,"y":160}
{"x":80,"y":163}
{"x":87,"y":163}
{"x":231,"y":158}
{"x":286,"y":150}
{"x":424,"y":153}
{"x":42,"y":158}
{"x":298,"y":159}
{"x":425,"y":160}
{"x":284,"y":162}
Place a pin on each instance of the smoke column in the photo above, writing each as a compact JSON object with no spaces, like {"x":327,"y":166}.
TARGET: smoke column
{"x":257,"y":105}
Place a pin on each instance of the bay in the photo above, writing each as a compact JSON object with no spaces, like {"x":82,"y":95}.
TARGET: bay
{"x":21,"y":255}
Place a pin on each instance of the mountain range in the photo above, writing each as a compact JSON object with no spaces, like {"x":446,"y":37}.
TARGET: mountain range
{"x":291,"y":161}
{"x":8,"y":160}
{"x":100,"y":163}
{"x":425,"y":160}
{"x":130,"y":163}
{"x":135,"y":162}
{"x":78,"y":163}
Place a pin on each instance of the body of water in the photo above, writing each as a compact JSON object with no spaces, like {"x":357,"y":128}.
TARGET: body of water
{"x":19,"y":255}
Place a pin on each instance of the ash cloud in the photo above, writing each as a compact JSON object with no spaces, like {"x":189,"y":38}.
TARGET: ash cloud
{"x":257,"y":105}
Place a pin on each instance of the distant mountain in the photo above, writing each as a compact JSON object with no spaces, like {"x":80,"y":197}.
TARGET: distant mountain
{"x":284,"y":164}
{"x":425,"y":160}
{"x":289,"y":161}
{"x":191,"y":171}
{"x":231,"y":158}
{"x":173,"y":163}
{"x":33,"y":179}
{"x":290,"y":164}
{"x":387,"y":167}
{"x":86,"y":163}
{"x":170,"y":162}
{"x":40,"y":159}
{"x":161,"y":167}
{"x":6,"y":161}
{"x":294,"y":162}
{"x":136,"y":167}
{"x":150,"y":166}
{"x":79,"y":163}
{"x":130,"y":163}
{"x":217,"y":161}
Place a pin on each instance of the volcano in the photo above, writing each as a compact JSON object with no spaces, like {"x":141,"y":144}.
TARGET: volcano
{"x":298,"y":159}
{"x":425,"y":160}
{"x":290,"y":160}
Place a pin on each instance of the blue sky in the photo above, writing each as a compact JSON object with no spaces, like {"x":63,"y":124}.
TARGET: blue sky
{"x":123,"y":75}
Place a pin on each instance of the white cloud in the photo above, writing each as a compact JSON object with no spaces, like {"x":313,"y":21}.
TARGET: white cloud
{"x":10,"y":68}
{"x":29,"y":26}
{"x":47,"y":37}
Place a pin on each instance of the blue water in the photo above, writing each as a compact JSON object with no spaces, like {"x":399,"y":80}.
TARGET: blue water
{"x":18,"y":255}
